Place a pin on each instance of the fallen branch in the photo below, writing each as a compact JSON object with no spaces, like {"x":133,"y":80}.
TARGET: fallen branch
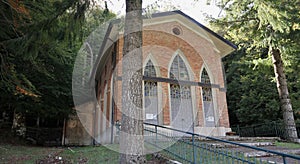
{"x":71,"y":150}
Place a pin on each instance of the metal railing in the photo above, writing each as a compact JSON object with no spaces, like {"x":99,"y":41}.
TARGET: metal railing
{"x":269,"y":129}
{"x":188,"y":147}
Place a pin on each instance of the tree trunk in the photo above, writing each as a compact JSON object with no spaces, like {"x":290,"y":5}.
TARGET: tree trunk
{"x":131,"y":135}
{"x":18,"y":126}
{"x":285,"y":102}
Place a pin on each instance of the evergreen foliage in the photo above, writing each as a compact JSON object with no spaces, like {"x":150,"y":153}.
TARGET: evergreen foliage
{"x":256,"y":26}
{"x":39,"y":41}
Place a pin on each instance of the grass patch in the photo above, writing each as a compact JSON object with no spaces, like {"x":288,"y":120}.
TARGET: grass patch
{"x":287,"y":145}
{"x":30,"y":154}
{"x":91,"y":154}
{"x":25,"y":154}
{"x":22,"y":153}
{"x":16,"y":150}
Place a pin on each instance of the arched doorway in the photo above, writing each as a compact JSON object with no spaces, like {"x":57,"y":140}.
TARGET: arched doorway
{"x":180,"y":97}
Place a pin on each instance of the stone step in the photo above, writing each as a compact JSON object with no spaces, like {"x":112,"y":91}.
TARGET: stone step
{"x":256,"y":144}
{"x":237,"y":138}
{"x":266,"y":154}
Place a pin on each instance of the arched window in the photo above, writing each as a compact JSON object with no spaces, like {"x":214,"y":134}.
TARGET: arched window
{"x":178,"y":69}
{"x":88,"y":62}
{"x":180,"y":97}
{"x":150,"y":95}
{"x":208,"y":106}
{"x":150,"y":69}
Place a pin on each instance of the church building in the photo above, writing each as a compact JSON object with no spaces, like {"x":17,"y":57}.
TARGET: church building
{"x":183,"y":87}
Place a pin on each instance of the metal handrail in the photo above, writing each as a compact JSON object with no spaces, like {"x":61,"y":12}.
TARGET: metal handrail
{"x":275,"y":129}
{"x":193,"y":135}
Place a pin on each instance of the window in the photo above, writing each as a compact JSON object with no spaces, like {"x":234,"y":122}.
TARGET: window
{"x":150,"y":95}
{"x":180,"y":92}
{"x":206,"y":91}
{"x":207,"y":100}
{"x":150,"y":88}
{"x":114,"y":56}
{"x":178,"y":69}
{"x":150,"y":70}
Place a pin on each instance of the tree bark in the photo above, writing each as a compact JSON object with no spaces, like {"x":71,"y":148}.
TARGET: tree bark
{"x":285,"y":102}
{"x":131,"y":135}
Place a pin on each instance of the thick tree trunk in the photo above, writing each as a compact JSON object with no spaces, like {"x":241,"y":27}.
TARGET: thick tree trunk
{"x":285,"y":102}
{"x":132,"y":139}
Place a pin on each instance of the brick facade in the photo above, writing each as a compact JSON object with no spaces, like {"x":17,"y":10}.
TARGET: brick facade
{"x":162,"y":41}
{"x":162,"y":46}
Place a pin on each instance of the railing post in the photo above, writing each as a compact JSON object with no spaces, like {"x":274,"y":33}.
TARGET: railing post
{"x":155,"y":134}
{"x":276,"y":131}
{"x":254,"y":132}
{"x":194,"y":154}
{"x":284,"y":160}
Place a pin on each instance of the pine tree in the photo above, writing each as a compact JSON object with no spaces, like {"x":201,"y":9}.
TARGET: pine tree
{"x":38,"y":45}
{"x":266,"y":25}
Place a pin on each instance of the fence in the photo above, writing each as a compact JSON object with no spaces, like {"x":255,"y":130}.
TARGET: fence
{"x":44,"y":136}
{"x":188,"y":147}
{"x":270,"y":129}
